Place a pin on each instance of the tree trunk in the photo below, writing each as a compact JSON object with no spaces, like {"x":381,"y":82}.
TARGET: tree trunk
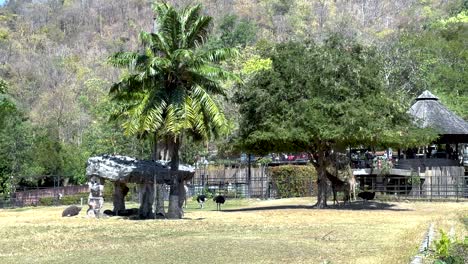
{"x":182,"y":195}
{"x":322,"y":184}
{"x":158,"y":188}
{"x":146,"y":201}
{"x":119,"y":196}
{"x":176,"y":193}
{"x":159,"y":200}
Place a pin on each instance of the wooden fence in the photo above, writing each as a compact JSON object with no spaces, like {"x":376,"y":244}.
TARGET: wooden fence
{"x":31,"y":196}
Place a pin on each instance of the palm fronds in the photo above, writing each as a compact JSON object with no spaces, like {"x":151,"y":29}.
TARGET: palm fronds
{"x":170,"y":82}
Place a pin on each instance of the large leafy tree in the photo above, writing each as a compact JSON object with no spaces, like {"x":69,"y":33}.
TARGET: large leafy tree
{"x":17,"y":163}
{"x":319,"y":99}
{"x":167,"y":90}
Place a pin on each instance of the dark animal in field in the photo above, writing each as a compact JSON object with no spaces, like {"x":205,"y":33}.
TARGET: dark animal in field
{"x":109,"y":212}
{"x":201,"y":199}
{"x":71,"y":211}
{"x":128,"y":212}
{"x":160,"y":216}
{"x":219,"y":201}
{"x":367,"y":195}
{"x":124,"y":212}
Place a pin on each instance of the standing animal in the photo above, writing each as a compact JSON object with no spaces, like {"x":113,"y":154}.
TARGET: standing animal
{"x":339,"y":186}
{"x":71,"y":211}
{"x":367,"y":195}
{"x":201,"y":199}
{"x":219,"y":201}
{"x":340,"y":174}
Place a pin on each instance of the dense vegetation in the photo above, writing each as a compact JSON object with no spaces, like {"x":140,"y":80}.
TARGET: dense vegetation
{"x":322,"y":98}
{"x":294,"y":181}
{"x":55,"y":106}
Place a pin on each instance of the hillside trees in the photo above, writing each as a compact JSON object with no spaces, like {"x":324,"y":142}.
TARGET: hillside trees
{"x":320,"y":99}
{"x":15,"y":143}
{"x":167,"y":91}
{"x":431,"y":58}
{"x":32,"y":155}
{"x":440,"y":54}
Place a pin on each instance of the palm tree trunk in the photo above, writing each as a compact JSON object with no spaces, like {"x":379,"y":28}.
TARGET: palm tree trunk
{"x":158,"y":188}
{"x":177,"y":186}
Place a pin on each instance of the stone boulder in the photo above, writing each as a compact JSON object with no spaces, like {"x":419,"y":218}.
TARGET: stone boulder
{"x":71,"y":211}
{"x":127,"y":169}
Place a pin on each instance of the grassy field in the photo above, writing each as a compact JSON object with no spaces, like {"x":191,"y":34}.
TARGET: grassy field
{"x":247,"y":231}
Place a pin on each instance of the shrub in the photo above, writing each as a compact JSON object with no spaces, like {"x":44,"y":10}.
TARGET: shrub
{"x":208,"y":193}
{"x":443,"y":245}
{"x":74,"y":199}
{"x":234,"y":194}
{"x":450,"y":252}
{"x":294,"y":181}
{"x":46,"y":201}
{"x":109,"y":191}
{"x":66,"y":200}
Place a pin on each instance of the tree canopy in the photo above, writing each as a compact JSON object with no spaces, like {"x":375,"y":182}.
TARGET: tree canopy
{"x":320,"y":98}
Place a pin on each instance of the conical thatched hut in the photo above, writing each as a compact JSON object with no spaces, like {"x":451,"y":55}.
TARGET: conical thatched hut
{"x":430,"y":112}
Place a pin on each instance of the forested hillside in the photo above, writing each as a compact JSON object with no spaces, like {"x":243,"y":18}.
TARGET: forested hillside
{"x":53,"y":57}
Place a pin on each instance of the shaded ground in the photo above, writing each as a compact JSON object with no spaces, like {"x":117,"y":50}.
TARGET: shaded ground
{"x":274,"y":231}
{"x":349,"y":206}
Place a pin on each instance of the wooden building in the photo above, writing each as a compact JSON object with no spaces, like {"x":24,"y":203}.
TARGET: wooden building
{"x":429,"y":172}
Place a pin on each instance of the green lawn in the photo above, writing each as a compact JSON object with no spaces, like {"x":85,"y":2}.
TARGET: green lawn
{"x":274,"y":231}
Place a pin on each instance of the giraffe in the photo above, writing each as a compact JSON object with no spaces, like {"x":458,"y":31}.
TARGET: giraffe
{"x":341,"y":176}
{"x":339,"y":186}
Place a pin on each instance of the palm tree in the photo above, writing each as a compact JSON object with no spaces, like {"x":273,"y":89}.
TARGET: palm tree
{"x":168,"y":88}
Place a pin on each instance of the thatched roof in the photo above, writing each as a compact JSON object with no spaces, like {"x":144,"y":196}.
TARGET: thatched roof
{"x":127,"y":169}
{"x":430,"y":112}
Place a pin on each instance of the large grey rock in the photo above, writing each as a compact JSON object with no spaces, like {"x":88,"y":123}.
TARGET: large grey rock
{"x":71,"y":211}
{"x":127,"y":169}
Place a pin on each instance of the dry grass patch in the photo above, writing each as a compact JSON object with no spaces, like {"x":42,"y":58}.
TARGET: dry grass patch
{"x":274,"y":231}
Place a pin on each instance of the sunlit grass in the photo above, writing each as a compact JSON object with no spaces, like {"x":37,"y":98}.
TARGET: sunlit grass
{"x":290,"y":233}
